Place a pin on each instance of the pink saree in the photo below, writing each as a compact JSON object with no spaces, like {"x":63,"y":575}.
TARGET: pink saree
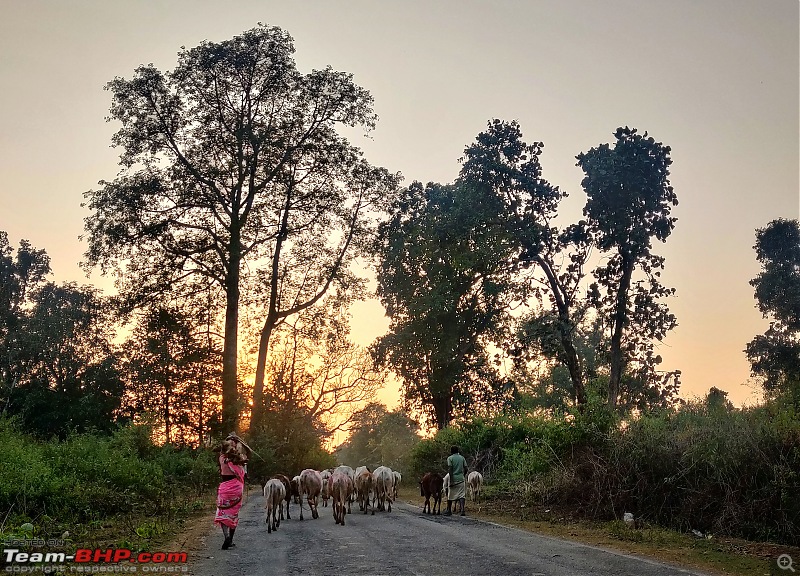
{"x":229,"y":496}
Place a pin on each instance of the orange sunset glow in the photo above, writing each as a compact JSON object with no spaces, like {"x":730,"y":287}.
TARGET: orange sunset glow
{"x":717,"y":81}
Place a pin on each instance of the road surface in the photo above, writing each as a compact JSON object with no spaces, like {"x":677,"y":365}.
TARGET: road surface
{"x":403,"y":542}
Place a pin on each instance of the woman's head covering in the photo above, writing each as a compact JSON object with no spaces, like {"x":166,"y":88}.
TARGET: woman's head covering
{"x":234,"y":437}
{"x":230,"y":450}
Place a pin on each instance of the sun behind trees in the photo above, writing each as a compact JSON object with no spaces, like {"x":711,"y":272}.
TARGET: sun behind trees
{"x":235,"y":179}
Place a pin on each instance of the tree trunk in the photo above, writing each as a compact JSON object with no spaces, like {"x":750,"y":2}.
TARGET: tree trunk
{"x":442,"y":411}
{"x":574,"y":367}
{"x":202,"y":391}
{"x":257,"y":414}
{"x":230,"y":391}
{"x":620,"y":319}
{"x":565,"y":330}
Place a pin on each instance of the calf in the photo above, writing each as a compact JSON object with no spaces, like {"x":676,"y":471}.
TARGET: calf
{"x":275,"y":494}
{"x":296,"y":492}
{"x":326,"y":491}
{"x":397,"y":479}
{"x":431,"y":485}
{"x":287,"y":484}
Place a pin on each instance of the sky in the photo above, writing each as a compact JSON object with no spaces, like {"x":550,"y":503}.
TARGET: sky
{"x":716,"y":80}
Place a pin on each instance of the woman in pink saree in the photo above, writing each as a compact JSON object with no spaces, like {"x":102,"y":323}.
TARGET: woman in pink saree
{"x":229,"y":495}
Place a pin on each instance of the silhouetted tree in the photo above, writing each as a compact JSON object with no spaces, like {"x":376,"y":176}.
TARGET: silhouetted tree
{"x":171,"y":372}
{"x":775,"y":355}
{"x":232,"y":159}
{"x":20,"y":276}
{"x":444,"y":278}
{"x":507,"y":169}
{"x":379,"y":438}
{"x":629,"y":200}
{"x":69,"y":378}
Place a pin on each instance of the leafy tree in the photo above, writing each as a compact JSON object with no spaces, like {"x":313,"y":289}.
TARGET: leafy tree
{"x":70,"y":379}
{"x":20,"y":276}
{"x":323,"y":226}
{"x":229,"y":159}
{"x":319,"y":368}
{"x":380,"y":437}
{"x":444,"y":280}
{"x":775,"y":355}
{"x":508,"y":169}
{"x":320,"y":378}
{"x":629,"y":200}
{"x":169,"y":368}
{"x":550,"y":388}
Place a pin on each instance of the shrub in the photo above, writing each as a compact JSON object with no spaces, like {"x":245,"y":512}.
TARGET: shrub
{"x":88,"y":478}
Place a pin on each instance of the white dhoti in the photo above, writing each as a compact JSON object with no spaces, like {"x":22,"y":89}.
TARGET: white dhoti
{"x":457,"y":491}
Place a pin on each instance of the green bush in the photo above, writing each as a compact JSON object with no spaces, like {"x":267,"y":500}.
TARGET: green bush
{"x":705,"y":466}
{"x":88,"y":478}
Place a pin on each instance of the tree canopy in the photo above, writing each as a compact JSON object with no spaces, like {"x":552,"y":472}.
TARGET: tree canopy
{"x":775,"y":355}
{"x":443,"y":278}
{"x":231,"y":163}
{"x":629,"y":201}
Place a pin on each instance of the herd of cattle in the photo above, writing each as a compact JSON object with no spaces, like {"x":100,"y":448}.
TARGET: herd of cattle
{"x":371,"y":489}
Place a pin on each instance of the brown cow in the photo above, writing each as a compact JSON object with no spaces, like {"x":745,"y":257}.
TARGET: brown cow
{"x":364,"y":483}
{"x":431,"y":485}
{"x":311,"y":488}
{"x":287,"y":484}
{"x":341,"y":488}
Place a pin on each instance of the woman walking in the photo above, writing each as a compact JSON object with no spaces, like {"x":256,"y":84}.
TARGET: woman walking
{"x":232,"y":462}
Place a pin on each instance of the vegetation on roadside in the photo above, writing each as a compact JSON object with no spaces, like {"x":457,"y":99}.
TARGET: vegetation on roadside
{"x":705,"y":466}
{"x":98,"y":490}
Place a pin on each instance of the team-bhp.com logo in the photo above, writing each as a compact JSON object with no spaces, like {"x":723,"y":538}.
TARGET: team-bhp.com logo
{"x":94,"y":560}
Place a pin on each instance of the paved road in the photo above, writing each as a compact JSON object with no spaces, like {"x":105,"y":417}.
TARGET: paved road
{"x":403,"y":542}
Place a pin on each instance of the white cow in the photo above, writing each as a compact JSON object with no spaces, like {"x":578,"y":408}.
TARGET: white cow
{"x":384,"y":487}
{"x":475,"y":483}
{"x":397,"y":479}
{"x":275,"y":494}
{"x":446,"y":486}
